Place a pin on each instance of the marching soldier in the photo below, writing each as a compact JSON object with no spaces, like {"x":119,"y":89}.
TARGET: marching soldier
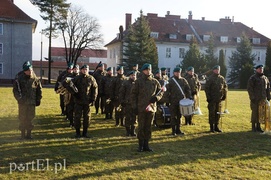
{"x":144,"y":97}
{"x":116,"y":84}
{"x":86,"y":96}
{"x":106,"y":88}
{"x":58,"y":82}
{"x":27,"y":92}
{"x":173,"y":96}
{"x":125,"y":96}
{"x":258,"y":88}
{"x":195,"y":87}
{"x":98,"y":75}
{"x":164,"y":73}
{"x":216,"y":90}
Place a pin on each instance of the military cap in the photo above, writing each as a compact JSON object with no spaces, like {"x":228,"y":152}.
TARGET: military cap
{"x":70,"y":66}
{"x":177,"y":69}
{"x":100,"y":64}
{"x":131,"y":72}
{"x":109,"y":69}
{"x":27,"y":65}
{"x":163,"y":69}
{"x":84,"y":66}
{"x":190,"y":68}
{"x":216,"y":67}
{"x":157,"y":71}
{"x":258,"y":66}
{"x":146,"y":66}
{"x":119,"y":68}
{"x":76,"y":66}
{"x":135,"y":65}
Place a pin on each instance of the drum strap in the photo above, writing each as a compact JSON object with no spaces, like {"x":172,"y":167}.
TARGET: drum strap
{"x":179,"y":87}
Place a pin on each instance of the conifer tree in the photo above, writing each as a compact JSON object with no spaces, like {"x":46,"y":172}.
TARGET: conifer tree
{"x":267,"y":69}
{"x":222,"y":64}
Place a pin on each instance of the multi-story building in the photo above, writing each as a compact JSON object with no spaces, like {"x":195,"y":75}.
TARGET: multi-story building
{"x":16,"y":29}
{"x":173,"y":34}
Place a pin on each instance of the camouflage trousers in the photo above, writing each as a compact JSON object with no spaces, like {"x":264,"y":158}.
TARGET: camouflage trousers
{"x":79,"y":110}
{"x":213,"y":108}
{"x":254,"y":112}
{"x":26,"y":115}
{"x":130,"y":116}
{"x":175,"y":115}
{"x":144,"y":125}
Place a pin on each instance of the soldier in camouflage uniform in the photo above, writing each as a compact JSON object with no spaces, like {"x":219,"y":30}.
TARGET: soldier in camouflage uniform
{"x":86,"y":96}
{"x":116,"y":84}
{"x":216,"y":90}
{"x":98,"y":75}
{"x":135,"y":68}
{"x":143,"y":98}
{"x":195,"y":87}
{"x":106,"y":89}
{"x":27,"y":92}
{"x":125,"y":96}
{"x":173,"y":95}
{"x":258,"y":88}
{"x":164,"y":73}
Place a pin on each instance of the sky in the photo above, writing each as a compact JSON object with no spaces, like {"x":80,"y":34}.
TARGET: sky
{"x":111,"y":14}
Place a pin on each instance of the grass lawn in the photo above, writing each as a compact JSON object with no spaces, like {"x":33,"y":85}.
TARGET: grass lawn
{"x":236,"y":153}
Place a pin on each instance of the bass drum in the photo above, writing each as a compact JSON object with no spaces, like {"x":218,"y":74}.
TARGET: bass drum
{"x":162,"y":116}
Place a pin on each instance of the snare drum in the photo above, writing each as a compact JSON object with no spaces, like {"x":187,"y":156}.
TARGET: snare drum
{"x":162,"y":116}
{"x":186,"y":107}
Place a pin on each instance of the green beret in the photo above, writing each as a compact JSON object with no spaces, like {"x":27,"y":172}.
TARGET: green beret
{"x":258,"y":66}
{"x":157,"y":71}
{"x":131,"y":72}
{"x":84,"y":66}
{"x":216,"y":67}
{"x":163,"y":69}
{"x":109,"y":69}
{"x":135,"y":65}
{"x":190,"y":68}
{"x":146,"y":66}
{"x":177,"y":69}
{"x":27,"y":65}
{"x":119,"y":68}
{"x":76,"y":66}
{"x":100,"y":64}
{"x":70,"y":66}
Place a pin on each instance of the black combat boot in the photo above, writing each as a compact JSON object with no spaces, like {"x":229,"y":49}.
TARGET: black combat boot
{"x":128,"y":131}
{"x":77,"y":135}
{"x":28,"y":134}
{"x":85,"y":133}
{"x":173,"y":130}
{"x":216,"y":128}
{"x":110,"y":115}
{"x":140,"y":145}
{"x":22,"y":134}
{"x":146,"y":146}
{"x":253,"y":127}
{"x":178,"y":130}
{"x":133,"y":131}
{"x":107,"y":116}
{"x":258,"y":127}
{"x":212,"y":128}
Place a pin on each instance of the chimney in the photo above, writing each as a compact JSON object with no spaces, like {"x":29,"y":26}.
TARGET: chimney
{"x":12,"y":1}
{"x":203,"y":18}
{"x":128,"y":20}
{"x":168,"y":12}
{"x":190,"y":17}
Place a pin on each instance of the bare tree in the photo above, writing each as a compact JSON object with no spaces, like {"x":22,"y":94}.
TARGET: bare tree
{"x":79,"y":31}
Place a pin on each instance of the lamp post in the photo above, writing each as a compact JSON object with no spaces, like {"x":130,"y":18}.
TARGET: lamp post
{"x":41,"y":56}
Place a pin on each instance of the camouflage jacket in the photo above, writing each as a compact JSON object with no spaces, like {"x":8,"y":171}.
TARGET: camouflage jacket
{"x":258,"y":87}
{"x":193,"y":82}
{"x":116,"y":84}
{"x":87,"y":89}
{"x":173,"y":95}
{"x":125,"y":91}
{"x":60,"y":78}
{"x":27,"y":89}
{"x":106,"y":85}
{"x":216,"y":88}
{"x":144,"y":88}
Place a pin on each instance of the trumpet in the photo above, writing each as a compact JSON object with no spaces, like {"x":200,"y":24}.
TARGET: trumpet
{"x":264,"y":114}
{"x":197,"y":105}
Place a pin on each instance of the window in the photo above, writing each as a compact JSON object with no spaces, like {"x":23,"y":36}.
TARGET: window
{"x":154,"y":35}
{"x":1,"y":68}
{"x":181,"y":52}
{"x":224,"y":39}
{"x":258,"y":55}
{"x":189,"y":37}
{"x":1,"y":48}
{"x":1,"y":28}
{"x":256,"y":40}
{"x":206,"y":37}
{"x":172,"y":36}
{"x":168,"y":52}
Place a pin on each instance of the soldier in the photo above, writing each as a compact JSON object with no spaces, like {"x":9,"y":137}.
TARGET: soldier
{"x":173,"y":96}
{"x":86,"y":96}
{"x":216,"y":90}
{"x":106,"y":88}
{"x":27,"y":92}
{"x":164,"y":73}
{"x":195,"y":87}
{"x":116,"y":84}
{"x":144,"y":97}
{"x":135,"y":68}
{"x":258,"y":88}
{"x":125,"y":96}
{"x":58,"y":82}
{"x":98,"y":75}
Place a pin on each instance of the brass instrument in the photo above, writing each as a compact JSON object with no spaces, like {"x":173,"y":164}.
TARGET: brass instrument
{"x":66,"y":86}
{"x":108,"y":101}
{"x":264,"y":114}
{"x":197,"y":105}
{"x":61,"y":89}
{"x":226,"y":105}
